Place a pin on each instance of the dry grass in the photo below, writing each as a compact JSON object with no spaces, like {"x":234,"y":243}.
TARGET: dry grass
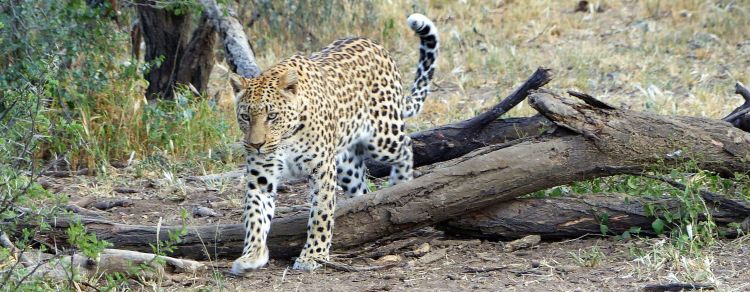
{"x":669,"y":57}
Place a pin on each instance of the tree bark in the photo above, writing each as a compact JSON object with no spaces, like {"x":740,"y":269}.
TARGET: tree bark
{"x":198,"y":60}
{"x":166,"y":36}
{"x":569,"y":217}
{"x":599,"y":142}
{"x":187,"y":60}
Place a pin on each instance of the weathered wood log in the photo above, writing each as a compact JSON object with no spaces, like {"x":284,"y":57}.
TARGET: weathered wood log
{"x":715,"y":145}
{"x":456,"y":139}
{"x":111,"y":261}
{"x":569,"y":217}
{"x":601,"y":142}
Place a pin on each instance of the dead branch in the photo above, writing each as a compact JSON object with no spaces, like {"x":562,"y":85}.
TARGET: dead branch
{"x":239,"y":56}
{"x":738,"y":117}
{"x":147,"y":265}
{"x":106,"y":205}
{"x":14,"y":251}
{"x":677,"y":287}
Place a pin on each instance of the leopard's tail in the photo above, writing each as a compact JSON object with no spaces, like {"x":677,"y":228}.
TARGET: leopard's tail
{"x":428,"y":50}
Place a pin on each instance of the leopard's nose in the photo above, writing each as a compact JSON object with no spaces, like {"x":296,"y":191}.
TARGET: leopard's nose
{"x":256,"y":145}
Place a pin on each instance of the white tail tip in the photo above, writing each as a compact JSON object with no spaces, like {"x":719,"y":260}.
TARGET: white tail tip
{"x":417,"y":22}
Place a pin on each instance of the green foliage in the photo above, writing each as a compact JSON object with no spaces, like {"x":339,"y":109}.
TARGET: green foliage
{"x":85,"y":242}
{"x":690,"y":227}
{"x":69,"y":92}
{"x":77,"y":63}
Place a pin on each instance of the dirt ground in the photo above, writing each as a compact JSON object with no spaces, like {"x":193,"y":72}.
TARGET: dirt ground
{"x":429,"y":259}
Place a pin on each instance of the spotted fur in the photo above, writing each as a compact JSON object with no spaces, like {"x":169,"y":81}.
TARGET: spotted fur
{"x":320,"y":117}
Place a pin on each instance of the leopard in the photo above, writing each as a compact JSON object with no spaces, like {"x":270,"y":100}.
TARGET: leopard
{"x":319,"y":117}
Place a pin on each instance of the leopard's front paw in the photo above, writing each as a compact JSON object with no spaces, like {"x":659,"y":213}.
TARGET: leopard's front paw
{"x":253,"y":260}
{"x":306,"y":264}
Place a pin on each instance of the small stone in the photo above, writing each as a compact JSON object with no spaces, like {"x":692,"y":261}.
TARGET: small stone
{"x":389,"y":259}
{"x":525,"y":242}
{"x":421,"y":249}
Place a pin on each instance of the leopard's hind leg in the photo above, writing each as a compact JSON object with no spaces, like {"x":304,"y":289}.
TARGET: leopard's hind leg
{"x":350,"y":170}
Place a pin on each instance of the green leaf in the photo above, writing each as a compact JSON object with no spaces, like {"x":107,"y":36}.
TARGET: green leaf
{"x":603,"y":228}
{"x":626,"y":235}
{"x":658,"y":226}
{"x":632,"y":183}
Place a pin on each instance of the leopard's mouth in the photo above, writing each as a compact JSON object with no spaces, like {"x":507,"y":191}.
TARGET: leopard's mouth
{"x":263,"y":150}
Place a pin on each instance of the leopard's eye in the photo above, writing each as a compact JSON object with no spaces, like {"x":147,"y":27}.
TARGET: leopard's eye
{"x":244,"y":117}
{"x":272,"y":116}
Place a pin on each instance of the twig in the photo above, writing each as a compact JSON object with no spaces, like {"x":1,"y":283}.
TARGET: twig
{"x":472,"y":270}
{"x":106,"y":205}
{"x":124,"y":190}
{"x":392,"y":247}
{"x":590,"y":100}
{"x":347,"y":268}
{"x":544,"y":30}
{"x":82,"y":211}
{"x":677,"y":287}
{"x":541,"y":77}
{"x":65,"y":173}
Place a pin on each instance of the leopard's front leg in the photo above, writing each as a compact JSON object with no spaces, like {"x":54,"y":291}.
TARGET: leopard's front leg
{"x":262,"y":179}
{"x":320,"y":223}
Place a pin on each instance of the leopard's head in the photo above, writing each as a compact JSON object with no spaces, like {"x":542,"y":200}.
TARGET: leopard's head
{"x":268,"y":108}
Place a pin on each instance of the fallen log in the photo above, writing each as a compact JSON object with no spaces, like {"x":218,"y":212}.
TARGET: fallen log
{"x":570,"y":217}
{"x":599,"y":142}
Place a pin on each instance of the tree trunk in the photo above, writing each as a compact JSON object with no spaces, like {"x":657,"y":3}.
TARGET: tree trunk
{"x":166,"y":36}
{"x":569,"y":217}
{"x":198,"y":60}
{"x":601,"y":141}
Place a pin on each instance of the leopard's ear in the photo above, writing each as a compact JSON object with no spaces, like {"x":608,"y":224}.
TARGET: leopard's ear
{"x":239,"y":85}
{"x":238,"y":82}
{"x":288,"y":81}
